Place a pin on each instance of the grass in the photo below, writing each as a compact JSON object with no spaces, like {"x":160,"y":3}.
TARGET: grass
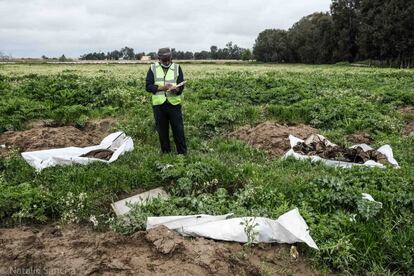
{"x":221,"y":175}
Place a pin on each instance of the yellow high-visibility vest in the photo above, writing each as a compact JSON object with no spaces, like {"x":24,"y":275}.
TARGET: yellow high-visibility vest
{"x":161,"y":78}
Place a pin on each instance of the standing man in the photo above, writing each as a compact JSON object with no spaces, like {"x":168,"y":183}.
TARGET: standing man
{"x":162,"y":79}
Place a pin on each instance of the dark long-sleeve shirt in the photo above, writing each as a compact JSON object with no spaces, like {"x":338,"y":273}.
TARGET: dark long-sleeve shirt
{"x":152,"y":88}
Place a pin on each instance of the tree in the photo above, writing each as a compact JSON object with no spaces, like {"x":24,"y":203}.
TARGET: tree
{"x":177,"y":54}
{"x":399,"y":26}
{"x":272,"y":46}
{"x":246,"y":54}
{"x":63,"y":58}
{"x":128,"y":53}
{"x":202,"y":55}
{"x":234,"y":51}
{"x":354,"y":30}
{"x":152,"y":55}
{"x":311,"y":39}
{"x":94,"y":56}
{"x":114,"y":55}
{"x":213,"y":51}
{"x":138,"y":56}
{"x":386,"y":31}
{"x":188,"y":55}
{"x":223,"y":53}
{"x":345,"y":20}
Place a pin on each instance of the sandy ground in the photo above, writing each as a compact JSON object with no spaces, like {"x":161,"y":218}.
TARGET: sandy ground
{"x":272,"y":137}
{"x":79,"y":250}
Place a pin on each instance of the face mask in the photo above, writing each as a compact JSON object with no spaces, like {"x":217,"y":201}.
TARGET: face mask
{"x":165,"y":66}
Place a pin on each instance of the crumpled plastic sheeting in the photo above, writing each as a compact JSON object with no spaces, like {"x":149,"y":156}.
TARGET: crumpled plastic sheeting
{"x":118,"y":142}
{"x":369,"y":197}
{"x":288,"y":228}
{"x":385,"y":149}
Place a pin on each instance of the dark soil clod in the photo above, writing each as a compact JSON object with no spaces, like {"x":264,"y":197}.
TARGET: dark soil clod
{"x":105,"y":154}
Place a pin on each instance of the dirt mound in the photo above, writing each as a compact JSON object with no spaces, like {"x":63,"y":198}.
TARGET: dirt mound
{"x":408,"y":114}
{"x":272,"y":137}
{"x":77,"y":250}
{"x":409,"y":128}
{"x":45,"y":137}
{"x":407,"y":109}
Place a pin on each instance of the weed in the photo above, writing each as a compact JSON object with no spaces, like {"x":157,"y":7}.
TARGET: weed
{"x":249,"y":225}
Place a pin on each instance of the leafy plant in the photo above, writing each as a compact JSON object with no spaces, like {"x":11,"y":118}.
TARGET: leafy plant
{"x":249,"y":229}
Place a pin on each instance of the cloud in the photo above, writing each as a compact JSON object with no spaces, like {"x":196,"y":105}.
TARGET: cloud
{"x":74,"y":27}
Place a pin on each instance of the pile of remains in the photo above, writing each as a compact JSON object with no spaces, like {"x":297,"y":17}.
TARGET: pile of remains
{"x":105,"y":154}
{"x":316,"y":145}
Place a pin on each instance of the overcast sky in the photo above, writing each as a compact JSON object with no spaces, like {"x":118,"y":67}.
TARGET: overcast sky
{"x":74,"y":27}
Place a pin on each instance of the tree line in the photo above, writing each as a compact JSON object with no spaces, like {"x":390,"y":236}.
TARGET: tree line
{"x":231,"y":51}
{"x":372,"y":31}
{"x":379,"y":31}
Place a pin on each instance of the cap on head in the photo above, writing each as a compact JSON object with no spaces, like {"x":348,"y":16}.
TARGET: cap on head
{"x":164,"y":53}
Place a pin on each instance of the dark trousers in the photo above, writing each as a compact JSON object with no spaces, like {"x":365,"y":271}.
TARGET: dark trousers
{"x":165,"y":115}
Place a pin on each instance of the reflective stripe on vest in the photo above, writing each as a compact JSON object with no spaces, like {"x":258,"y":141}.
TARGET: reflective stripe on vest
{"x":161,"y":78}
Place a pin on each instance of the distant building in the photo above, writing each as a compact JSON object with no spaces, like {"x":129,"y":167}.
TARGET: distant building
{"x":145,"y":58}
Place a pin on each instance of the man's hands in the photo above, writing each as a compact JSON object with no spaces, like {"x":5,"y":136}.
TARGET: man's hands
{"x":168,"y":87}
{"x":173,"y":89}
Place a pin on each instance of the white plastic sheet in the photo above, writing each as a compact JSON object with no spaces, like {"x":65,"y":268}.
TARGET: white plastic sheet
{"x":117,"y":142}
{"x":385,"y":149}
{"x":369,"y":197}
{"x":288,"y":228}
{"x":121,"y":207}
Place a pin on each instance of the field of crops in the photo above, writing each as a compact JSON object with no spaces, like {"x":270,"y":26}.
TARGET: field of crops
{"x":222,"y":175}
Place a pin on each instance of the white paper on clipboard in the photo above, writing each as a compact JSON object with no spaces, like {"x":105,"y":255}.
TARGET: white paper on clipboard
{"x":180,"y":84}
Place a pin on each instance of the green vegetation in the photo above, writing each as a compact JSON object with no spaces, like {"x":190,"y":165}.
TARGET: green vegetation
{"x":221,"y":175}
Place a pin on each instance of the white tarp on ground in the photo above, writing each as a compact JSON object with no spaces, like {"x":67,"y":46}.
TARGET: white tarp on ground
{"x":121,"y":207}
{"x":385,"y":149}
{"x":118,"y":142}
{"x":288,"y":228}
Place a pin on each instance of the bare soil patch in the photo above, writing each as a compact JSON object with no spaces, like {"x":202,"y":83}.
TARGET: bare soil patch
{"x":41,"y":136}
{"x":408,"y":113}
{"x":409,"y":128}
{"x":360,"y":138}
{"x":78,"y":250}
{"x":272,"y":137}
{"x":407,"y":109}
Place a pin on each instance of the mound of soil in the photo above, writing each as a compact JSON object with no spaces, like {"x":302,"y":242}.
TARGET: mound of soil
{"x":45,"y":137}
{"x":272,"y":137}
{"x":409,"y":128}
{"x":408,"y":111}
{"x":77,"y":250}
